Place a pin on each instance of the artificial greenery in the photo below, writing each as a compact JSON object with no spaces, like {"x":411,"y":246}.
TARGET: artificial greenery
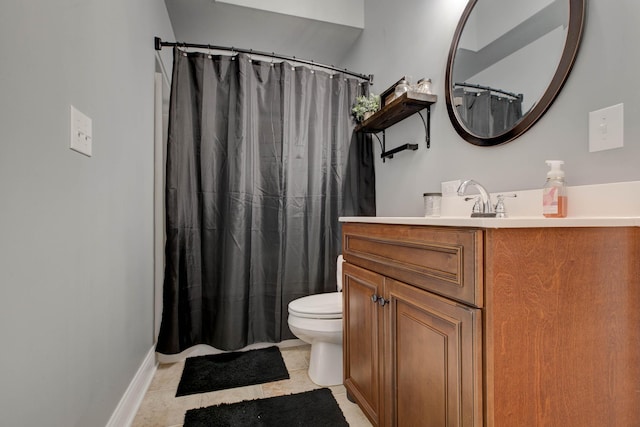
{"x":365,"y":104}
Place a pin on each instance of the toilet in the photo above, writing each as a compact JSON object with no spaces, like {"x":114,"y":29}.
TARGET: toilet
{"x":317,"y":320}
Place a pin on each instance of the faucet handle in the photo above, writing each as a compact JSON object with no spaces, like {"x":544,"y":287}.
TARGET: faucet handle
{"x":501,"y":211}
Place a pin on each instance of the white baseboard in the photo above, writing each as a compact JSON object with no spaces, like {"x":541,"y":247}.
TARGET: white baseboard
{"x":126,"y":410}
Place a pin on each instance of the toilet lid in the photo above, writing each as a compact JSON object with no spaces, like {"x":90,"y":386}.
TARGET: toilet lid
{"x":318,"y":306}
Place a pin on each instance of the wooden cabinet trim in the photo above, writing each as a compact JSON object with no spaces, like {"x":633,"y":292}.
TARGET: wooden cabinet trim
{"x":455,"y":278}
{"x":446,"y":261}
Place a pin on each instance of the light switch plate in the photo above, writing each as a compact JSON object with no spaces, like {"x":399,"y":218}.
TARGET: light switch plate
{"x":81,"y":133}
{"x":606,"y":128}
{"x":450,"y":188}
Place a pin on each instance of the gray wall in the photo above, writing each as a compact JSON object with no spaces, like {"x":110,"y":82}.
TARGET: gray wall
{"x":76,"y":233}
{"x":417,"y":44}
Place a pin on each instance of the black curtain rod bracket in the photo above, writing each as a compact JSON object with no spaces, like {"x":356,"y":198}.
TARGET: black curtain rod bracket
{"x":159,"y":44}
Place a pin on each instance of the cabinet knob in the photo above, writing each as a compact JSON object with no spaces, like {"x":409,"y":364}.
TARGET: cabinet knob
{"x":382,"y":301}
{"x":374,"y":298}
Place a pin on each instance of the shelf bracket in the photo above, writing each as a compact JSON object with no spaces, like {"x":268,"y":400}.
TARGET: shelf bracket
{"x":427,"y":126}
{"x":399,"y":109}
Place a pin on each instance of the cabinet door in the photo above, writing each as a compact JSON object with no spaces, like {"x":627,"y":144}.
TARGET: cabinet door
{"x":434,"y":359}
{"x":362,"y":339}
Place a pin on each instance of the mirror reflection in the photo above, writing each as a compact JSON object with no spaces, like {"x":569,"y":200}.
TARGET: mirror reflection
{"x":503,"y":60}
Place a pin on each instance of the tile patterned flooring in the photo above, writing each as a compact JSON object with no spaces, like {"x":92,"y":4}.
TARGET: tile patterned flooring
{"x":160,"y":407}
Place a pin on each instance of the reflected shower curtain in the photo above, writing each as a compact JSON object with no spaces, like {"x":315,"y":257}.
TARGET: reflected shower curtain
{"x":486,"y":114}
{"x":261,"y":161}
{"x":505,"y":113}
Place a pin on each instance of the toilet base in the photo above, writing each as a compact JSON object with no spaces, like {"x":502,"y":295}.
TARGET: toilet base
{"x":325,"y":364}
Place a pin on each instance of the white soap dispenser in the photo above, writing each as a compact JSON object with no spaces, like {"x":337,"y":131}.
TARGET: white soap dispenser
{"x":554,"y":193}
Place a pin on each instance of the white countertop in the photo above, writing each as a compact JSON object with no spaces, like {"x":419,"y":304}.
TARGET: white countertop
{"x":519,"y":222}
{"x":599,"y":205}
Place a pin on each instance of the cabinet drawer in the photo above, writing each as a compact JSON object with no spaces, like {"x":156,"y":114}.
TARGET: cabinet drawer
{"x":445,"y":260}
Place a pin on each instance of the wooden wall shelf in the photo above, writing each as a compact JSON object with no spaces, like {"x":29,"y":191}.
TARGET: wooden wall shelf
{"x":398,"y":109}
{"x":395,"y":111}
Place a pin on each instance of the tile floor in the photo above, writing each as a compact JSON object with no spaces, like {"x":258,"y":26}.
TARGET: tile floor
{"x":160,"y":407}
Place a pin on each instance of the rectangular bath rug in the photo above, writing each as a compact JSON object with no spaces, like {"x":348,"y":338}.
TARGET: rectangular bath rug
{"x":316,"y":408}
{"x":203,"y":374}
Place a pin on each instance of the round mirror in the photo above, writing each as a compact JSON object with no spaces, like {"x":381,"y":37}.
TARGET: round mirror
{"x":507,"y":63}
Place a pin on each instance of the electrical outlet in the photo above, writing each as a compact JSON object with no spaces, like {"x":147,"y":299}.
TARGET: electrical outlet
{"x":450,"y":188}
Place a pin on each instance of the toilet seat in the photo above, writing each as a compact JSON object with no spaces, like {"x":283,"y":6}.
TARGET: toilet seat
{"x":318,"y":306}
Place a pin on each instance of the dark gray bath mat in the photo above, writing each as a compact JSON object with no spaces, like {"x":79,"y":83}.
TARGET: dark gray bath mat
{"x":316,"y":408}
{"x":203,"y":374}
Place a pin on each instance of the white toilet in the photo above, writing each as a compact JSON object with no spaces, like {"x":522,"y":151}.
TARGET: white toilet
{"x":317,"y":320}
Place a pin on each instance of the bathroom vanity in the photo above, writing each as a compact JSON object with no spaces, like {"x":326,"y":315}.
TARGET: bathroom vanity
{"x":463,"y":322}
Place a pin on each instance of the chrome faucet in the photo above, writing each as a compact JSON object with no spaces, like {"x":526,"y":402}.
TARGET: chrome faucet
{"x":486,"y":207}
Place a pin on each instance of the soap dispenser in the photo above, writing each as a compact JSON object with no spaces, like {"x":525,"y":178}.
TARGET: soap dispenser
{"x":554,"y":193}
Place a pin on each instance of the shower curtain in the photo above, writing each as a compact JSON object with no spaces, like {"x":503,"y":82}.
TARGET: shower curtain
{"x":486,"y":114}
{"x":261,"y":161}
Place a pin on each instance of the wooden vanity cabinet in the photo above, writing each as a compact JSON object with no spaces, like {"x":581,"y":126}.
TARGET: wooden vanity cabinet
{"x":412,"y":357}
{"x":507,"y":327}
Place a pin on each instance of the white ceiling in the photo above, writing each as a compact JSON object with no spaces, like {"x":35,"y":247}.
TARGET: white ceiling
{"x":216,"y":23}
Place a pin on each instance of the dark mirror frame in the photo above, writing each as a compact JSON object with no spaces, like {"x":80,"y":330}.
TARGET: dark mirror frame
{"x":574,"y":35}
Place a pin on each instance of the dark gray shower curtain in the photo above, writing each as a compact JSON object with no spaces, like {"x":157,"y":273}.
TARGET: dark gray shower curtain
{"x":486,"y":114}
{"x":261,"y":161}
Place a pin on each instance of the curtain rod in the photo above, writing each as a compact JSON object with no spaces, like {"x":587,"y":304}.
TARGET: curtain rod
{"x":475,"y":86}
{"x":159,"y":44}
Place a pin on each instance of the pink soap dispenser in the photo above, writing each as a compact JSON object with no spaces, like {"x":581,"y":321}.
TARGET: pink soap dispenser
{"x":554,"y":193}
